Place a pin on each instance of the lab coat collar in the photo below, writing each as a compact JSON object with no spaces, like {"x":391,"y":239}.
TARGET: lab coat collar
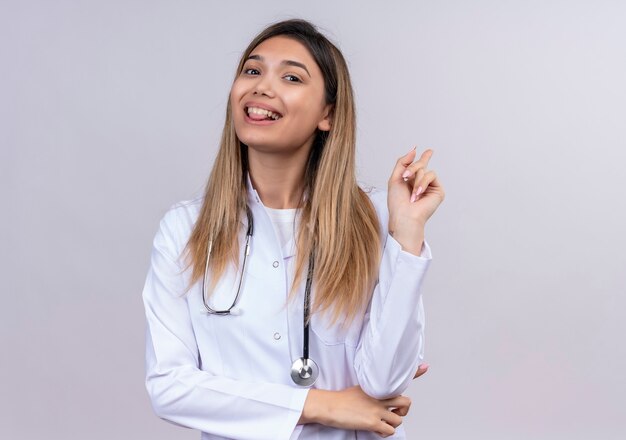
{"x":253,"y":196}
{"x":289,"y":249}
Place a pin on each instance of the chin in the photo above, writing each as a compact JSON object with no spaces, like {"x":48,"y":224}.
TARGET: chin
{"x":264,"y":147}
{"x":258,"y":142}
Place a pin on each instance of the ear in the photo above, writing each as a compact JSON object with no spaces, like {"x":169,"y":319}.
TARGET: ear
{"x":326,"y":123}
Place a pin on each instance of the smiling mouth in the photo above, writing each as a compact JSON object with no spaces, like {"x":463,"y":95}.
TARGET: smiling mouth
{"x":260,"y":114}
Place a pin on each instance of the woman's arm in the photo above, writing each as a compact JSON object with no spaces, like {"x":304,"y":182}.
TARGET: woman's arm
{"x":414,"y":194}
{"x":352,"y":409}
{"x":392,"y":341}
{"x":185,"y":395}
{"x":179,"y":390}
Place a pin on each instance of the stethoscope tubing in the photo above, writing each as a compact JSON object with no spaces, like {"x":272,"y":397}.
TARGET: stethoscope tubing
{"x":304,"y":371}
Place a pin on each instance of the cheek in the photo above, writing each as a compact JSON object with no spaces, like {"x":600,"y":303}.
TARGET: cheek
{"x":307,"y":111}
{"x":236,"y":112}
{"x":233,"y":97}
{"x":237,"y":90}
{"x":301,"y":105}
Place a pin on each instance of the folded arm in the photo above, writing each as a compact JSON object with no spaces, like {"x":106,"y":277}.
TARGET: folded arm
{"x":180,"y":391}
{"x":392,"y":340}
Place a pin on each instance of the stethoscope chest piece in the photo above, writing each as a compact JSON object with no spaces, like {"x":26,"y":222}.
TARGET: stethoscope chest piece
{"x":304,"y":372}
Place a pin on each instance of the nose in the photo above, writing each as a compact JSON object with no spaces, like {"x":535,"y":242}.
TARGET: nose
{"x":264,"y":87}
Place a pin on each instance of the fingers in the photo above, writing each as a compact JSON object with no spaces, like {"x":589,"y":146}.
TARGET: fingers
{"x":388,"y":424}
{"x":417,"y":188}
{"x":421,"y":163}
{"x":401,"y":411}
{"x":403,"y":163}
{"x":395,"y":409}
{"x":384,"y":429}
{"x":414,"y":173}
{"x":421,"y":183}
{"x":421,"y":369}
{"x":392,"y":419}
{"x":402,"y":407}
{"x":397,"y":401}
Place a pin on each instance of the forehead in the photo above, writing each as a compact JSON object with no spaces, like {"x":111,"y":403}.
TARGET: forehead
{"x":280,"y":48}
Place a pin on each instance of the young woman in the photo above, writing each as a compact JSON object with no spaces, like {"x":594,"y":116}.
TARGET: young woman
{"x":285,"y":302}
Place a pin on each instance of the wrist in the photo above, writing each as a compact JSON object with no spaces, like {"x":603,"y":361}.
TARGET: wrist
{"x":409,"y":233}
{"x":315,"y":407}
{"x":404,"y":222}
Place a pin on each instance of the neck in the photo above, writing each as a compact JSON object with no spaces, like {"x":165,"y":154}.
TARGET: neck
{"x":278,"y":179}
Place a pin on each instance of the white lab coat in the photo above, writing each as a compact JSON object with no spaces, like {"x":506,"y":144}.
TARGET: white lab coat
{"x":229,"y":376}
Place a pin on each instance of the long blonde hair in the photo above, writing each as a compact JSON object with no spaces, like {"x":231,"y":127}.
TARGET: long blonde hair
{"x":338,"y":220}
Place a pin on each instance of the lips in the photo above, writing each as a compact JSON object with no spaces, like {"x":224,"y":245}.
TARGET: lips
{"x":261,"y":112}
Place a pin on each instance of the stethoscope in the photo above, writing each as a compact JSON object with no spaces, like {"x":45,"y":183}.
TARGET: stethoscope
{"x":304,"y":370}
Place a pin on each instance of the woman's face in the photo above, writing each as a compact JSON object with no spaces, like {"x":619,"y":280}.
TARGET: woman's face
{"x":278,"y":99}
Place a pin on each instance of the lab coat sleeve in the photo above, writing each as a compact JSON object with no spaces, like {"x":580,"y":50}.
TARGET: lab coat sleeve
{"x":392,"y":338}
{"x":180,"y":391}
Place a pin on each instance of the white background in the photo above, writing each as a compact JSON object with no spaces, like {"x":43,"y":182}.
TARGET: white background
{"x":110,"y":111}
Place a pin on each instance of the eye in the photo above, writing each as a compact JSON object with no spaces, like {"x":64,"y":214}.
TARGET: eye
{"x":292,"y":78}
{"x":250,"y":71}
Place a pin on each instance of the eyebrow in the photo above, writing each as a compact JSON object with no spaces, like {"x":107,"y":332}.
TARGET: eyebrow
{"x":284,"y":62}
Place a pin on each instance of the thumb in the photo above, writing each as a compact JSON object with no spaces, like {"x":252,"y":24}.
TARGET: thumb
{"x":402,"y":163}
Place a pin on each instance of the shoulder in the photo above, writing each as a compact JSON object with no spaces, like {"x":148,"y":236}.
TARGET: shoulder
{"x":176,"y":225}
{"x":184,"y":212}
{"x":377,"y":196}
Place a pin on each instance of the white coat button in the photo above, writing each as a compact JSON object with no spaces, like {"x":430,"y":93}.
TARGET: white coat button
{"x":275,"y":264}
{"x":277,"y":336}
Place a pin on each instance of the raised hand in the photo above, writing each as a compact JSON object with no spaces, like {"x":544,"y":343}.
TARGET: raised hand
{"x":414,"y":193}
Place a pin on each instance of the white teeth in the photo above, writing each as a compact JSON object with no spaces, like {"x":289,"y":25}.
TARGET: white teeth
{"x":262,"y":111}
